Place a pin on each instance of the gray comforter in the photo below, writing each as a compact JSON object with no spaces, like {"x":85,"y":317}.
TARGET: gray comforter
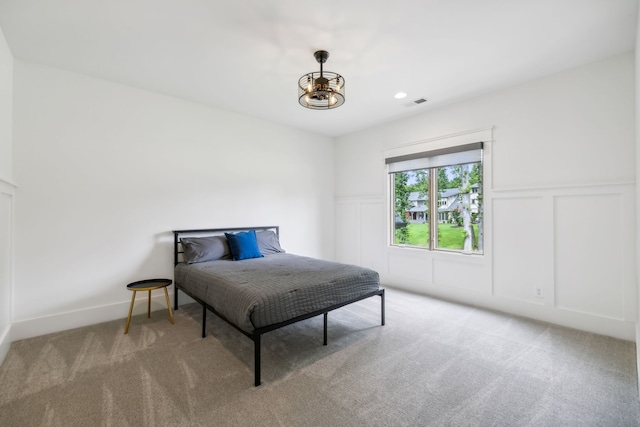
{"x":259,"y":292}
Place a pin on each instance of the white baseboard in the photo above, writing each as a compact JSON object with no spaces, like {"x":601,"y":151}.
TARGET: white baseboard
{"x":5,"y":343}
{"x":29,"y":328}
{"x":583,"y":321}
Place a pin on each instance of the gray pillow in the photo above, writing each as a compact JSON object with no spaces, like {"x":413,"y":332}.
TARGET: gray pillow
{"x":200,"y":249}
{"x":268,"y":242}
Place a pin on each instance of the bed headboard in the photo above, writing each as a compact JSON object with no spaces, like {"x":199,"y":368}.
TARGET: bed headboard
{"x":177,"y":234}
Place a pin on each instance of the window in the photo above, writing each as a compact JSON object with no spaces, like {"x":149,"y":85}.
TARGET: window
{"x":454,"y":175}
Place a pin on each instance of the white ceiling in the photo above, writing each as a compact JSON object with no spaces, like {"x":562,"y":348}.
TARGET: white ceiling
{"x":247,"y":55}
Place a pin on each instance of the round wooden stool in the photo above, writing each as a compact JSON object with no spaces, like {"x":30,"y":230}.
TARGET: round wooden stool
{"x":148,"y":285}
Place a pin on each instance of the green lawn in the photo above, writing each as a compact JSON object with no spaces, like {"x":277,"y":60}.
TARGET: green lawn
{"x":450,"y":236}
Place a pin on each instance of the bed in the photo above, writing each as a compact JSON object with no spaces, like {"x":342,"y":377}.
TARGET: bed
{"x":243,"y":276}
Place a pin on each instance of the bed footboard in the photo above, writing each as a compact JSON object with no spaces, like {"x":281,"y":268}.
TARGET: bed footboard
{"x":256,"y":335}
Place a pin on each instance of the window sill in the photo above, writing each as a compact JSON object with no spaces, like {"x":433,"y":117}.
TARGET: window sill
{"x":438,"y":253}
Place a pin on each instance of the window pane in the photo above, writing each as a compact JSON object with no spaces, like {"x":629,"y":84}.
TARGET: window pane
{"x":411,"y":208}
{"x":460,"y":207}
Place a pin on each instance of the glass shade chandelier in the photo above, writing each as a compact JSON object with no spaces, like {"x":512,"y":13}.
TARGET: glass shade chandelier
{"x":321,"y":90}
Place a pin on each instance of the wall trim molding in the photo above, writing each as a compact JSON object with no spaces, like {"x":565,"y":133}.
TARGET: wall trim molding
{"x":7,"y":191}
{"x":450,"y":140}
{"x":4,"y":182}
{"x":486,"y":132}
{"x":497,"y":192}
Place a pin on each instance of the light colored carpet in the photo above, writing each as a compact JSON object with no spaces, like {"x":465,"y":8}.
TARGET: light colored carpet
{"x":435,"y":363}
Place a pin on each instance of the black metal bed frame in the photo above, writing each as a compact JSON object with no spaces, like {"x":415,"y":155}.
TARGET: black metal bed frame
{"x":256,"y":335}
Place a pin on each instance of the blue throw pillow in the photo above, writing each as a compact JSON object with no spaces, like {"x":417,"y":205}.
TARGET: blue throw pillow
{"x":243,"y":245}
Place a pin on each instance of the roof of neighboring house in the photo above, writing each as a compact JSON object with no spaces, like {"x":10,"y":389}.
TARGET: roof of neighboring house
{"x":452,"y":207}
{"x":447,"y":192}
{"x":415,"y":196}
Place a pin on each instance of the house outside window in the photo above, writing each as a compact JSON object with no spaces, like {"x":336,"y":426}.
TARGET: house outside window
{"x":455,"y":176}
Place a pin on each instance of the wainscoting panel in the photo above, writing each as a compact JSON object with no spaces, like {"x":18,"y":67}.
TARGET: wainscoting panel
{"x":6,"y":265}
{"x":372,"y":233}
{"x":465,"y":271}
{"x":560,"y":254}
{"x":589,"y":253}
{"x":413,"y":264}
{"x":348,"y":232}
{"x":519,"y":248}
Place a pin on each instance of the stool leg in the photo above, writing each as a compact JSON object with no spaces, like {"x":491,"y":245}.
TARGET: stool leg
{"x":166,"y":296}
{"x":149,"y":306}
{"x":133,"y":298}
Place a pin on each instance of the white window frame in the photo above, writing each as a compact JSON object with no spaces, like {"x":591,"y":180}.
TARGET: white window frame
{"x":445,"y":142}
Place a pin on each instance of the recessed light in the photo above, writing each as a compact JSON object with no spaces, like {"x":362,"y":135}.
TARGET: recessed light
{"x":400,"y":95}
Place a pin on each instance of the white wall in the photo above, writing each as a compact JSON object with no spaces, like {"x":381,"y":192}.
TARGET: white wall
{"x":637,"y":117}
{"x":107,"y":171}
{"x":559,"y":200}
{"x":7,"y":193}
{"x":6,"y":110}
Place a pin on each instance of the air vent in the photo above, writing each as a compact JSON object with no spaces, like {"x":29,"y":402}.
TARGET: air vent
{"x":414,"y":103}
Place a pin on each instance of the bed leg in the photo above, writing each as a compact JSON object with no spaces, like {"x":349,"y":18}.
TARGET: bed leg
{"x":382,"y":306}
{"x":204,"y":320}
{"x":326,"y":315}
{"x":175,"y":296}
{"x":256,"y":361}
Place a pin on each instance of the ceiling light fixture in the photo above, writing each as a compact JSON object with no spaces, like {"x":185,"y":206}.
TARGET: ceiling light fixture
{"x":400,"y":95}
{"x":321,"y":90}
